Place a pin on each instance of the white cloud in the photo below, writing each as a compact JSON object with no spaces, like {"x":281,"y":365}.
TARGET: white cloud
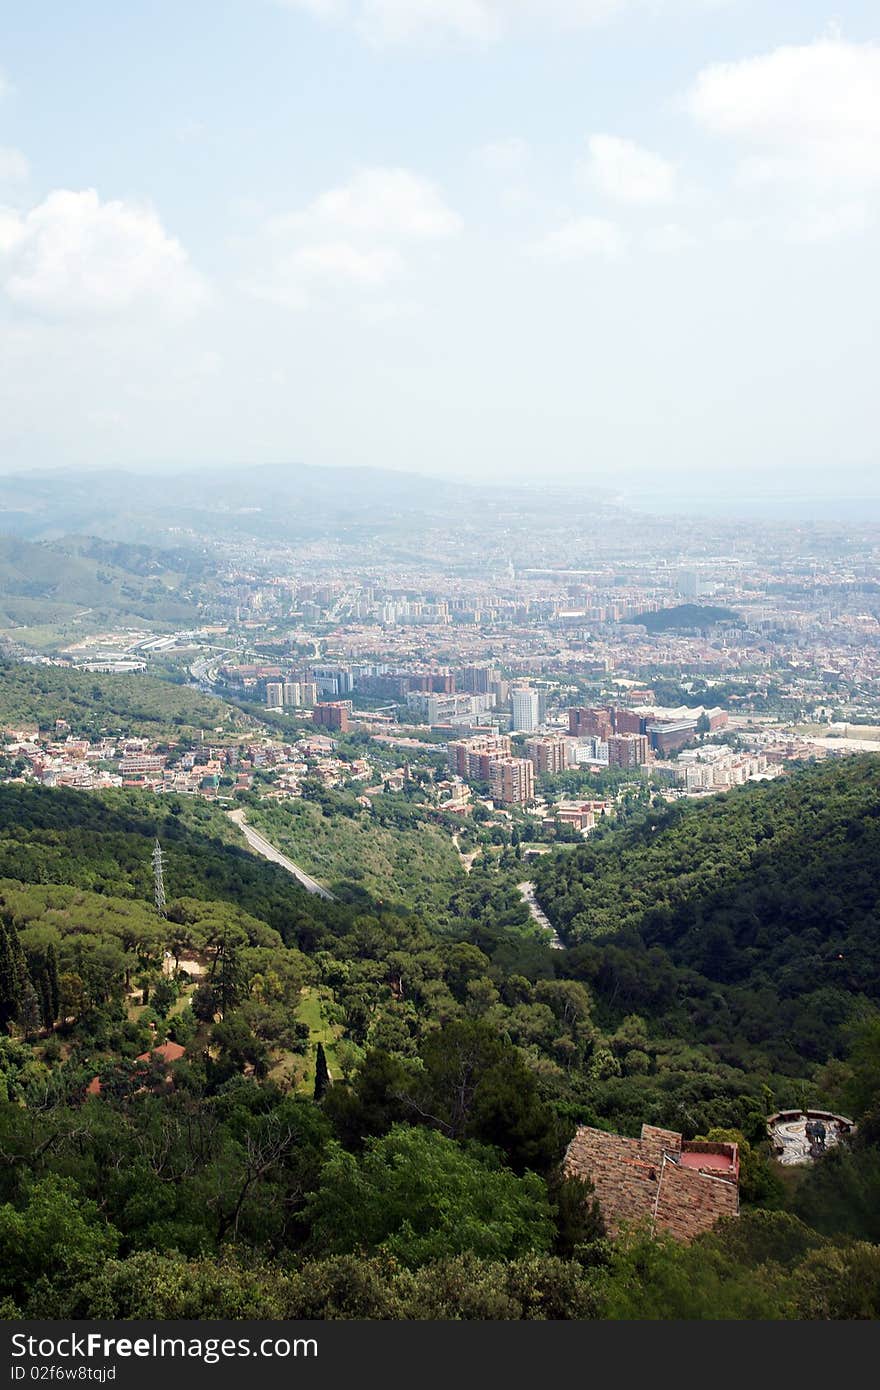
{"x":626,"y":173}
{"x":339,"y":262}
{"x":13,"y":165}
{"x":382,"y":202}
{"x":808,"y":114}
{"x":11,"y":230}
{"x":354,"y":236}
{"x":581,"y":238}
{"x":73,"y":254}
{"x":476,"y":21}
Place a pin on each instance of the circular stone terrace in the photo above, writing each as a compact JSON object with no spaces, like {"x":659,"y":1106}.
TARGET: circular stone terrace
{"x":801,"y":1136}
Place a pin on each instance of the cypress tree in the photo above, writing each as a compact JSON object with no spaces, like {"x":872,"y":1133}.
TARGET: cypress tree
{"x":54,"y":986}
{"x":29,"y":1017}
{"x":227,"y":977}
{"x":44,"y":995}
{"x":322,"y":1073}
{"x":13,"y":972}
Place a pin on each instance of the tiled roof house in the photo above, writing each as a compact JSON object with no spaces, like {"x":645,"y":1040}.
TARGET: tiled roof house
{"x":678,"y":1186}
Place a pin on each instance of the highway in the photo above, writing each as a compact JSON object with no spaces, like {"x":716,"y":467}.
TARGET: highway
{"x":262,"y":846}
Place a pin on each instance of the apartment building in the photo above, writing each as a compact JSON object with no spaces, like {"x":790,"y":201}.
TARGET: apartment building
{"x":628,"y":750}
{"x":548,"y":755}
{"x":512,"y":781}
{"x":525,"y":707}
{"x":473,"y":757}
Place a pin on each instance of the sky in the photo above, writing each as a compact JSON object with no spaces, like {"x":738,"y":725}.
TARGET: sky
{"x":608,"y":241}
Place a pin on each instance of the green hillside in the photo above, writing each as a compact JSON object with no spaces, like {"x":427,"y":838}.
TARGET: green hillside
{"x":54,"y":582}
{"x":463,"y":1052}
{"x":93,"y":703}
{"x":765,"y":902}
{"x":396,"y":856}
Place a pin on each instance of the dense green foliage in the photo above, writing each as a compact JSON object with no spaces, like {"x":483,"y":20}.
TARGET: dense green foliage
{"x":96,"y":704}
{"x":413,"y":1172}
{"x":749,"y":920}
{"x":684,"y":617}
{"x":391,"y":852}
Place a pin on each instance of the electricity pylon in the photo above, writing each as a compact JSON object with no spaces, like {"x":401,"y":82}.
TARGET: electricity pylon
{"x":158,"y":880}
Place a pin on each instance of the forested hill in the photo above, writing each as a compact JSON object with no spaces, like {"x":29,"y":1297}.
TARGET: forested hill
{"x":371,"y":1105}
{"x":685,"y":616}
{"x":94,"y":704}
{"x":102,"y":844}
{"x":51,"y":582}
{"x":770,"y":890}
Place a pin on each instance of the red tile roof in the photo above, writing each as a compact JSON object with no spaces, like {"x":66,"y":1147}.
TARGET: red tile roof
{"x":168,"y":1051}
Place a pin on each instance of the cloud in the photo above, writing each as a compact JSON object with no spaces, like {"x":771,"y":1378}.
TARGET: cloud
{"x":13,"y":165}
{"x":339,"y":262}
{"x":798,"y":115}
{"x":355,"y":235}
{"x":382,"y":202}
{"x":11,"y":230}
{"x":73,"y":254}
{"x":477,"y":21}
{"x":582,"y":238}
{"x":624,"y":172}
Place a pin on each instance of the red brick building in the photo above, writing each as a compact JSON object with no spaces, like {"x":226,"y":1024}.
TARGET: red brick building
{"x":589,"y":723}
{"x":331,"y":716}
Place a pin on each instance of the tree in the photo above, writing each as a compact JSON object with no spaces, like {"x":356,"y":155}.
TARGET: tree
{"x":239,"y":1048}
{"x":577,"y":1214}
{"x":863,"y":1089}
{"x":44,"y":996}
{"x":227,"y":976}
{"x":29,"y":1017}
{"x":204,"y":1002}
{"x":322,"y":1073}
{"x":55,"y":1233}
{"x":13,"y":972}
{"x":476,"y":1085}
{"x":421,"y":1196}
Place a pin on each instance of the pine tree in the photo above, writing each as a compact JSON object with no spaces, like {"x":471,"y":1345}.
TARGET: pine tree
{"x":322,"y":1073}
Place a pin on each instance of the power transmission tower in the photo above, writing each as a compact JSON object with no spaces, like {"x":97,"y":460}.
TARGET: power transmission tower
{"x":158,"y":880}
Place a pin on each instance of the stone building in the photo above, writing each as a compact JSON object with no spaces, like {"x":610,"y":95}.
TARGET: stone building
{"x":676,"y":1185}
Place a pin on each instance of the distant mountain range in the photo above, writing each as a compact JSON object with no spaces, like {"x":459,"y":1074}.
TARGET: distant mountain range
{"x":279,"y":501}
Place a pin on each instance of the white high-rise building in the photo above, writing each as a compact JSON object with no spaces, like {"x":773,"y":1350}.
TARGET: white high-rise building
{"x":275,"y":695}
{"x":526,"y":709}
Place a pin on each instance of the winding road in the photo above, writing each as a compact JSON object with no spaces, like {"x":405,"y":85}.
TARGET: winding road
{"x":262,"y":846}
{"x":527,"y":893}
